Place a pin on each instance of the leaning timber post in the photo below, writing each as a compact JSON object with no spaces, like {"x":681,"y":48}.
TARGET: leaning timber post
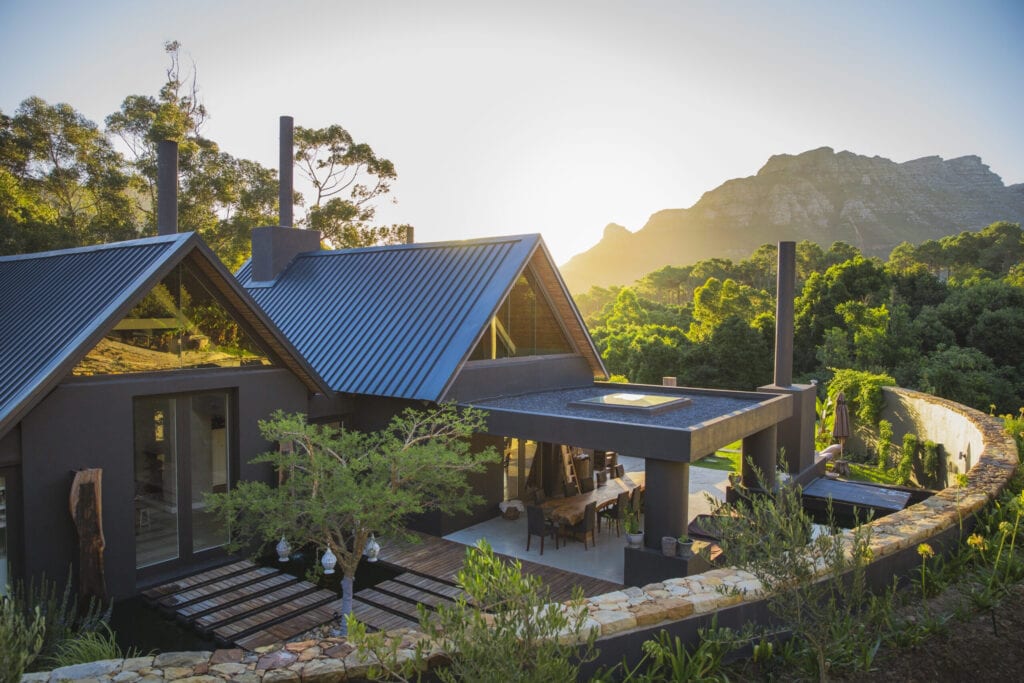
{"x":86,"y":504}
{"x":666,"y":500}
{"x":760,"y":448}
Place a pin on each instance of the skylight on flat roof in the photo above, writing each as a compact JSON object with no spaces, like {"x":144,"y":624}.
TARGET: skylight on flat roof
{"x":647,"y":403}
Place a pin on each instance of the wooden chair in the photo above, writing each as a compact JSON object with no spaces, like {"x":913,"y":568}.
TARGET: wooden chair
{"x":587,"y":526}
{"x":620,"y":471}
{"x":616,"y":512}
{"x":537,"y":525}
{"x":570,"y":489}
{"x":586,"y":484}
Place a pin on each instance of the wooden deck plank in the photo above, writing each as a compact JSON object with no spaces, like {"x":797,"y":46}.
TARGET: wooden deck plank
{"x":263,"y":619}
{"x":187,"y":582}
{"x":222,"y":600}
{"x":442,"y":560}
{"x":420,"y":596}
{"x":207,"y":590}
{"x":393,"y":603}
{"x":314,"y":617}
{"x":211,"y":620}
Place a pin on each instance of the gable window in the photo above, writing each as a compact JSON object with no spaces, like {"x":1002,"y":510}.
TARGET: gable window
{"x":524,"y":325}
{"x":179,"y":324}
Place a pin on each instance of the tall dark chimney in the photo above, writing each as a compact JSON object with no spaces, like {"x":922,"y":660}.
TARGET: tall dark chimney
{"x":785,"y":291}
{"x":286,"y":163}
{"x":167,"y":187}
{"x":276,"y":246}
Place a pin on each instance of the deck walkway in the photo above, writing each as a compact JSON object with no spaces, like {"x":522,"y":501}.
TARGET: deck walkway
{"x":249,"y":606}
{"x":442,"y":559}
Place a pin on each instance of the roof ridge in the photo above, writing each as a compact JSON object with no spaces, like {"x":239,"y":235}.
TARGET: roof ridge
{"x":498,"y":239}
{"x":180,"y":237}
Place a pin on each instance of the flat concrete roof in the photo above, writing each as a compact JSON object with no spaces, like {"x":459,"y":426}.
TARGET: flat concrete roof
{"x":710,"y":420}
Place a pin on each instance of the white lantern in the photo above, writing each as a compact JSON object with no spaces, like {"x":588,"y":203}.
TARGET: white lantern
{"x":328,"y":561}
{"x":372,"y":549}
{"x":283,"y":550}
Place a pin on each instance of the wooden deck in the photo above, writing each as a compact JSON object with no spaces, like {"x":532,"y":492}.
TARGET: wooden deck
{"x":442,"y":560}
{"x":246,"y":605}
{"x":249,"y":606}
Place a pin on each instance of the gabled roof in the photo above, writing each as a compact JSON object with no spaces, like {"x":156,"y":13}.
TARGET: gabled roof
{"x":55,"y":307}
{"x":400,"y":320}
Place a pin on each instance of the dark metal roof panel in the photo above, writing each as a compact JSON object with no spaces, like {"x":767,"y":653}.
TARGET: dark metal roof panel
{"x":52,"y":302}
{"x":392,"y":321}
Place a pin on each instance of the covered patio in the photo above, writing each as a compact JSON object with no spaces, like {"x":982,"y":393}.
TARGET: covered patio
{"x":668,"y":427}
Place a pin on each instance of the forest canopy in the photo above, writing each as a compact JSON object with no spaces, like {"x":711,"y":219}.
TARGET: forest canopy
{"x":67,"y":182}
{"x":943,"y":317}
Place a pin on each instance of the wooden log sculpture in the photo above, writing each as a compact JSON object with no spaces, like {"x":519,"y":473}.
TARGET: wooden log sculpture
{"x":86,"y":503}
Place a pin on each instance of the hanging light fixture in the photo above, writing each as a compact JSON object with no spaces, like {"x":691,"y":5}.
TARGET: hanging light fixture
{"x":283,"y":549}
{"x":328,"y":561}
{"x":372,"y":549}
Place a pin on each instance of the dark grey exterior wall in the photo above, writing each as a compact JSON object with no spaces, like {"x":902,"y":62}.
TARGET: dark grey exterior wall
{"x":10,"y":448}
{"x":87,"y":423}
{"x":513,"y":376}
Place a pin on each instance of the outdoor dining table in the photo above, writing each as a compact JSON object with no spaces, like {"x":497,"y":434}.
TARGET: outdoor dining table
{"x":570,"y":510}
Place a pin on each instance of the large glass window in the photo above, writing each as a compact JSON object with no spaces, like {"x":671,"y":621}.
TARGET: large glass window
{"x":524,"y":325}
{"x":182,"y":453}
{"x":179,"y":324}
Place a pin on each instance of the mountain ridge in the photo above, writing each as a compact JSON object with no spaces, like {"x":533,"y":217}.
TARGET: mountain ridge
{"x":822,"y":195}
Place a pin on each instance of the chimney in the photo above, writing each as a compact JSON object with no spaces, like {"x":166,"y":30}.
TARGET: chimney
{"x":167,"y":187}
{"x":784,"y":292}
{"x":410,"y":234}
{"x":286,"y":164}
{"x":276,"y":246}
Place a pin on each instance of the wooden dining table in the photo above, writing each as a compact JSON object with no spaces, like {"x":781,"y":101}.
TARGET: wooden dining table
{"x":570,"y":510}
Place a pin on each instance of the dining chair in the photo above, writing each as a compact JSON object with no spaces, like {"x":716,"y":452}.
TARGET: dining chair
{"x":586,"y":526}
{"x":616,"y":512}
{"x":538,"y":525}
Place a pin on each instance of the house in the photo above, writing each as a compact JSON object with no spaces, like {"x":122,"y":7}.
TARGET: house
{"x":148,"y":360}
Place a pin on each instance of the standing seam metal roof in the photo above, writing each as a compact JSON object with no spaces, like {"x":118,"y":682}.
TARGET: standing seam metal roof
{"x":53,"y":304}
{"x":392,"y":321}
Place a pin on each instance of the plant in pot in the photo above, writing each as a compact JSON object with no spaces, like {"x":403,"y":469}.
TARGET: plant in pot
{"x":634,"y":534}
{"x":684,"y":546}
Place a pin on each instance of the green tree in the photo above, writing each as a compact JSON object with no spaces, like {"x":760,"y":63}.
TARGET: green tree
{"x":338,"y":486}
{"x":347,"y":178}
{"x":64,"y":181}
{"x":968,"y":376}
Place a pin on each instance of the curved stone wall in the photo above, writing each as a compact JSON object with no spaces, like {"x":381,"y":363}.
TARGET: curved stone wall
{"x":633,"y":611}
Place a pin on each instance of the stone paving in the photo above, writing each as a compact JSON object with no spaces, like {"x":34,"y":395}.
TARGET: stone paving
{"x":317,"y":660}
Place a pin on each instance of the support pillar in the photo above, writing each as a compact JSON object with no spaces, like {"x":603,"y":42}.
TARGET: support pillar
{"x":796,"y":433}
{"x":760,"y":447}
{"x":666,"y":500}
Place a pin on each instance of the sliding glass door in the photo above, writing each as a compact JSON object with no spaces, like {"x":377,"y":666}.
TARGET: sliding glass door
{"x":182,"y":453}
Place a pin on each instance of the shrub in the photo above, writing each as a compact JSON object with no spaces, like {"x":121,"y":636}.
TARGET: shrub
{"x":21,"y":638}
{"x":89,"y":646}
{"x":884,"y":446}
{"x":908,"y":453}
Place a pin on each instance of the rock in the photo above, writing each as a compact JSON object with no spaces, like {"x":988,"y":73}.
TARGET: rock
{"x":299,"y":646}
{"x":324,"y":671}
{"x":180,"y":659}
{"x":224,"y":656}
{"x":280,"y":676}
{"x":277,"y":660}
{"x":123,"y":677}
{"x":77,"y":672}
{"x":229,"y":668}
{"x":137,"y":663}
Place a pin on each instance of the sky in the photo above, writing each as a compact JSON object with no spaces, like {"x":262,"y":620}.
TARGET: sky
{"x":551,"y":117}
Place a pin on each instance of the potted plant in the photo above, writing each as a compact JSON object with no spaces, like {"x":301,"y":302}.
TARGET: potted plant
{"x":684,"y":546}
{"x":634,"y":534}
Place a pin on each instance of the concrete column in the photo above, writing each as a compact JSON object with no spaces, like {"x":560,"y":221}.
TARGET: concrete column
{"x":666,"y":500}
{"x":286,"y":164}
{"x":784,"y":317}
{"x":796,"y":433}
{"x":760,"y":447}
{"x":167,"y":187}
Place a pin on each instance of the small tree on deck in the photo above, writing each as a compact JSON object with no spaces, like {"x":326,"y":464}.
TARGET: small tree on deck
{"x":338,"y":486}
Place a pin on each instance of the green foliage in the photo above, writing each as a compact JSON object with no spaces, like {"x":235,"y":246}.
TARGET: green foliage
{"x":932,"y":465}
{"x":863,"y":391}
{"x":503,"y":628}
{"x":905,"y":465}
{"x":667,"y":658}
{"x":21,"y":639}
{"x":816,"y":583}
{"x":884,"y":445}
{"x":338,"y":486}
{"x":88,"y":646}
{"x":60,"y":612}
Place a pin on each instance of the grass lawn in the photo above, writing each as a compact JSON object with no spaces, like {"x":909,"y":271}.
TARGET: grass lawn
{"x":872,"y":475}
{"x":727,"y":459}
